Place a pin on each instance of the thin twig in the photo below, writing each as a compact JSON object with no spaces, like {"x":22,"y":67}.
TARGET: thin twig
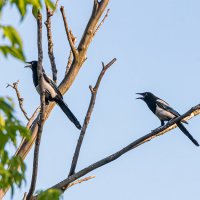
{"x":20,"y":99}
{"x":30,"y":122}
{"x":28,"y":126}
{"x":87,"y":117}
{"x":69,"y":63}
{"x":50,"y":43}
{"x":78,"y":181}
{"x":70,"y":58}
{"x":24,"y":197}
{"x":56,"y":5}
{"x":101,"y":23}
{"x":42,"y":112}
{"x":69,"y":33}
{"x":157,"y":132}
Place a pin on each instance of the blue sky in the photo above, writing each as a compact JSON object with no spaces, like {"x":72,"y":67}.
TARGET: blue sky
{"x":157,"y":45}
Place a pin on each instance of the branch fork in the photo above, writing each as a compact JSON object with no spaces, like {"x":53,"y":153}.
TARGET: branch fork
{"x":20,"y":99}
{"x":70,"y":36}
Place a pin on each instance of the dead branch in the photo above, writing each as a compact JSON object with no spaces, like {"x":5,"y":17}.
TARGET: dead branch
{"x":70,"y":58}
{"x":69,"y":63}
{"x":24,"y":197}
{"x":79,"y":181}
{"x":56,"y":5}
{"x":30,"y":122}
{"x":87,"y":117}
{"x":69,"y":33}
{"x":20,"y":99}
{"x":157,"y":132}
{"x":42,"y":112}
{"x":50,"y":42}
{"x":101,"y":23}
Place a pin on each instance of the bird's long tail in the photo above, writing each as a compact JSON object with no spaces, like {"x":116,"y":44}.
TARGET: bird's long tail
{"x":68,"y":112}
{"x":186,"y":132}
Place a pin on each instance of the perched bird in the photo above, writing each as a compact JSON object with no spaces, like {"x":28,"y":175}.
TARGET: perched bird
{"x":52,"y":92}
{"x":164,"y":112}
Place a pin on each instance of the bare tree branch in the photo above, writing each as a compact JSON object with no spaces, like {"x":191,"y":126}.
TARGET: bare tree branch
{"x":87,"y":117}
{"x":69,"y":33}
{"x":157,"y":132}
{"x":20,"y":99}
{"x":98,"y":9}
{"x":30,"y":122}
{"x":69,"y":63}
{"x":24,"y":197}
{"x":42,"y":114}
{"x":56,"y":5}
{"x":70,"y":58}
{"x":101,"y":23}
{"x":79,"y":181}
{"x":50,"y":42}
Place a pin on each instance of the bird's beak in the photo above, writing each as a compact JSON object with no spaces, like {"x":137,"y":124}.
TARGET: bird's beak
{"x":28,"y":66}
{"x":142,"y":96}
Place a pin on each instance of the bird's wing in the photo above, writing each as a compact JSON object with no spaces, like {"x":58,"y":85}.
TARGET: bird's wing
{"x":164,"y":105}
{"x":53,"y":85}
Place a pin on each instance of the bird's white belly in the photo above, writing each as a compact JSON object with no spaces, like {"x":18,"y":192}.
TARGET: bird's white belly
{"x":163,"y":114}
{"x":47,"y":88}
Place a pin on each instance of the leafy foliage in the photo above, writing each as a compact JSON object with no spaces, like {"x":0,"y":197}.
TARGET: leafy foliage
{"x":15,"y":48}
{"x":11,"y":168}
{"x":51,"y":194}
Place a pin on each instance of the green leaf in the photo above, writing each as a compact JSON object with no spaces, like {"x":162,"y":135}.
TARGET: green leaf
{"x":16,"y":52}
{"x":12,"y":169}
{"x":35,"y":11}
{"x":50,"y":4}
{"x":2,"y":4}
{"x":36,"y":3}
{"x":12,"y":34}
{"x":21,"y":6}
{"x":51,"y":194}
{"x":2,"y":122}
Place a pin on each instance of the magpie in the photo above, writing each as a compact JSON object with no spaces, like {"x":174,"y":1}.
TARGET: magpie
{"x":52,"y":92}
{"x":164,"y":112}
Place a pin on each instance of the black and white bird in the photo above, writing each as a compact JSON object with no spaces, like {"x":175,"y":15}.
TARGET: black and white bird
{"x":52,"y":92}
{"x":164,"y":112}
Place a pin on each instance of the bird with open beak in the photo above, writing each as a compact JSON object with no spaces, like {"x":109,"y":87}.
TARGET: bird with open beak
{"x":164,"y":112}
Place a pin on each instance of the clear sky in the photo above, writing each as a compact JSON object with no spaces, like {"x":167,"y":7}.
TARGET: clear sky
{"x":157,"y":44}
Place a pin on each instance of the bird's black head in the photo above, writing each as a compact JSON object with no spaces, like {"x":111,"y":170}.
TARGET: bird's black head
{"x":146,"y":96}
{"x":32,"y":64}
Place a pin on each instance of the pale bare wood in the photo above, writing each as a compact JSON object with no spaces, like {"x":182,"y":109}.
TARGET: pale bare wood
{"x":79,"y":181}
{"x":20,"y":99}
{"x":102,"y":21}
{"x":69,"y":33}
